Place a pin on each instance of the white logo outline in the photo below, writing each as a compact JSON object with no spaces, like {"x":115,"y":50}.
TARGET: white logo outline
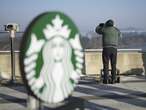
{"x":35,"y":47}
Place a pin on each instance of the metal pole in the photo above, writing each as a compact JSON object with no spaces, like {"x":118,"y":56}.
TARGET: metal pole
{"x":84,"y":64}
{"x":13,"y":78}
{"x":12,"y":36}
{"x":33,"y":103}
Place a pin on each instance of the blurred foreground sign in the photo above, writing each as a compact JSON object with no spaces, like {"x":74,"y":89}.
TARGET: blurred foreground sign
{"x":51,"y":56}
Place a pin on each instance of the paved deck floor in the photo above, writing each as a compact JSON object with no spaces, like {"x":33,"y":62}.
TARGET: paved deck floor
{"x":130,"y":94}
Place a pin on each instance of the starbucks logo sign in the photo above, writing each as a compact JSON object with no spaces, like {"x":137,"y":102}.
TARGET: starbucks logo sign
{"x":52,"y":56}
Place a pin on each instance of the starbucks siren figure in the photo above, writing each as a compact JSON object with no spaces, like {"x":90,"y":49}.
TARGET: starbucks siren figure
{"x":58,"y":74}
{"x":57,"y":69}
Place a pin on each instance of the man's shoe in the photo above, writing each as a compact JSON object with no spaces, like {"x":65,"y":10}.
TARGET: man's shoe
{"x":105,"y":81}
{"x":113,"y":81}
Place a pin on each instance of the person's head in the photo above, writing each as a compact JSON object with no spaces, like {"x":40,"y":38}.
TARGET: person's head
{"x":101,"y":24}
{"x":109,"y":23}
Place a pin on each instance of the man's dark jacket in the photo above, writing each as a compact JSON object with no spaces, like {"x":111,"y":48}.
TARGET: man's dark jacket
{"x":110,"y":35}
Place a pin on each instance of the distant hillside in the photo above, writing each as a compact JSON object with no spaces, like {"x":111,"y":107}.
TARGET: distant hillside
{"x":128,"y":40}
{"x":5,"y":41}
{"x":89,"y":41}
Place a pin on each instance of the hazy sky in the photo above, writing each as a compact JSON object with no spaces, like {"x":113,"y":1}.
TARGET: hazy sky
{"x":86,"y":13}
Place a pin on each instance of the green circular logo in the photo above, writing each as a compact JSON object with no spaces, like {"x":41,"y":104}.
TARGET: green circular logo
{"x":52,"y":56}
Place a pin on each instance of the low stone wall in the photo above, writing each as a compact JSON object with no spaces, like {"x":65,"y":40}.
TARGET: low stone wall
{"x":129,"y":61}
{"x":5,"y":63}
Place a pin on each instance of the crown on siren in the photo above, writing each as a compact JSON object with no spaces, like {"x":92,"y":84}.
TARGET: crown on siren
{"x":56,"y":28}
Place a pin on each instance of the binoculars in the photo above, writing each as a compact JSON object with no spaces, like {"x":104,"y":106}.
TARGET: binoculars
{"x":12,"y":26}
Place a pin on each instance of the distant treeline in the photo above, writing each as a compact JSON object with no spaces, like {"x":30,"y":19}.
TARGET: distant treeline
{"x":128,"y":40}
{"x":89,"y":41}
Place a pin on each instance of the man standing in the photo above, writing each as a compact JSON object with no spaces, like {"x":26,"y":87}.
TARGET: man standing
{"x":110,"y":39}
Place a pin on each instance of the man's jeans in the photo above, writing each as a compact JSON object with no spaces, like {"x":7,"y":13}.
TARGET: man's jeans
{"x":109,"y":54}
